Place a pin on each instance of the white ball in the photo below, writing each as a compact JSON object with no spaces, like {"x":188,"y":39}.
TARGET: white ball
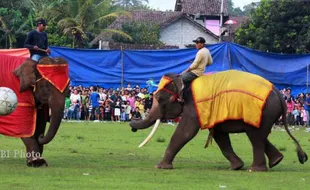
{"x":8,"y":101}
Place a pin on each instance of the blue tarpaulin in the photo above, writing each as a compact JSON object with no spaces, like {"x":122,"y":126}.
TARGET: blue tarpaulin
{"x":113,"y":68}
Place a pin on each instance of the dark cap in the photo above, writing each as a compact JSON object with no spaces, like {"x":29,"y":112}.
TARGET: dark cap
{"x":41,"y":21}
{"x":200,"y":40}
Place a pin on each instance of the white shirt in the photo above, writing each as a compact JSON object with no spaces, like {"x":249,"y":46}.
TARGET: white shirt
{"x":103,"y":96}
{"x":75,"y":97}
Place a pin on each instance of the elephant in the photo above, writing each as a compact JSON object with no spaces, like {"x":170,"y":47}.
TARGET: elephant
{"x":49,"y":103}
{"x":176,"y":100}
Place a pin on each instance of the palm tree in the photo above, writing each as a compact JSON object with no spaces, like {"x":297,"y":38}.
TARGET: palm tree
{"x":12,"y":25}
{"x":83,"y":18}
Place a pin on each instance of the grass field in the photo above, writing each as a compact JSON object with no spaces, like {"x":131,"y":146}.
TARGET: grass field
{"x":106,"y":156}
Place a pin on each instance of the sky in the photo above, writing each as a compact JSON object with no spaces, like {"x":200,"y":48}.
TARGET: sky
{"x":169,"y":4}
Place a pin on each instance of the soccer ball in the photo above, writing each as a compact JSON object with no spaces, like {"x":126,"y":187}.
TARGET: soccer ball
{"x":8,"y":101}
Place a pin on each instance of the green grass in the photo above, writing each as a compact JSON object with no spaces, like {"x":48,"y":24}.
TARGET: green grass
{"x":106,"y":156}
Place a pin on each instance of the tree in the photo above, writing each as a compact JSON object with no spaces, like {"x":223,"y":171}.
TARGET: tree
{"x":11,"y":24}
{"x":141,"y":33}
{"x":247,"y":9}
{"x":234,"y":11}
{"x":82,"y":19}
{"x":277,"y":26}
{"x":128,"y":4}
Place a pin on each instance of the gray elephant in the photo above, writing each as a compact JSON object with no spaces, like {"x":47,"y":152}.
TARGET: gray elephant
{"x":40,"y":87}
{"x":173,"y":100}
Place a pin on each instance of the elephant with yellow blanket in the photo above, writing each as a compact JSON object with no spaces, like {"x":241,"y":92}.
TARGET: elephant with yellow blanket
{"x":226,"y":102}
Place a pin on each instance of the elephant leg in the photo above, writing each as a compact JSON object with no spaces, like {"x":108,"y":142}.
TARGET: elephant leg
{"x":33,"y":148}
{"x":223,"y":141}
{"x":41,"y":126}
{"x":185,"y":131}
{"x":33,"y":155}
{"x":273,"y":154}
{"x":258,"y":141}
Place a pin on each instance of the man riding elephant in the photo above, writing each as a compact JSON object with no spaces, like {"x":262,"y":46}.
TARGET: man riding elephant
{"x":197,"y":68}
{"x":37,"y":41}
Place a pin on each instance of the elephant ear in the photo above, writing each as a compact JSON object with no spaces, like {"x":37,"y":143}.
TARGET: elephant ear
{"x":180,"y":86}
{"x":26,"y":74}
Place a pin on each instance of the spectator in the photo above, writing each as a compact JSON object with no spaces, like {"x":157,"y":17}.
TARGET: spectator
{"x":303,"y":115}
{"x":102,"y":95}
{"x":129,"y":87}
{"x":67,"y":106}
{"x":136,"y":114}
{"x":307,"y":108}
{"x":75,"y":96}
{"x":101,"y":113}
{"x":94,"y":102}
{"x":117,"y":110}
{"x":131,"y":100}
{"x":296,"y":113}
{"x":148,"y":102}
{"x":107,"y":111}
{"x":127,"y":111}
{"x":290,"y":107}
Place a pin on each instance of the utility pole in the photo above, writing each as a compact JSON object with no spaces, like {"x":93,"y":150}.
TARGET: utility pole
{"x":221,"y":20}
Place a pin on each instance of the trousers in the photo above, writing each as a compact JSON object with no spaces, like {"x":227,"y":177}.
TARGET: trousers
{"x":188,"y":78}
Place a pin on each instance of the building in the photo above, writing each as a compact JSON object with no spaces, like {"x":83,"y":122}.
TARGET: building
{"x":178,"y":28}
{"x":205,"y":12}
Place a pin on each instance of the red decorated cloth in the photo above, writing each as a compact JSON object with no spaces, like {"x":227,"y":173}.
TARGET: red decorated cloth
{"x":57,"y":75}
{"x":21,"y":52}
{"x":22,"y":122}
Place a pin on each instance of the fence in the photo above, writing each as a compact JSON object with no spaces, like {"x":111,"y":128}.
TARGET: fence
{"x":115,"y":68}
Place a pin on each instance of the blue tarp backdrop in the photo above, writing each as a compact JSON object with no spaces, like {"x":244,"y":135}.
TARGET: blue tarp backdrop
{"x":116,"y":68}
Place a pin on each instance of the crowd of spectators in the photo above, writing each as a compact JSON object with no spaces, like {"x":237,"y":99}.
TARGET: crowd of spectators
{"x":100,"y":104}
{"x":298,"y":107}
{"x":116,"y":105}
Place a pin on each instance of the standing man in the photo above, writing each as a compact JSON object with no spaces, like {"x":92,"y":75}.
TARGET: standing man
{"x":307,"y":108}
{"x":37,"y":42}
{"x":197,"y":68}
{"x":94,"y":101}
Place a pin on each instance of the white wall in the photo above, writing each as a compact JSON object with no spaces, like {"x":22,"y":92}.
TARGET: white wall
{"x":183,"y":32}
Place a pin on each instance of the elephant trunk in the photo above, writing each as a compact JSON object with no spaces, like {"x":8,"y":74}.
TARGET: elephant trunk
{"x":150,"y":120}
{"x":56,"y":104}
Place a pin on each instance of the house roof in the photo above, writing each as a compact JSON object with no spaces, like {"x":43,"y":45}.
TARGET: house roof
{"x":202,"y":7}
{"x":156,"y":17}
{"x":161,"y":18}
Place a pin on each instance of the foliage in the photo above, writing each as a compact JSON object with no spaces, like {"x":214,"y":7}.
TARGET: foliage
{"x":69,"y":21}
{"x":277,"y":26}
{"x":12,"y":25}
{"x":234,"y":11}
{"x":55,"y":37}
{"x":81,"y":19}
{"x":130,"y":4}
{"x":141,"y":33}
{"x":108,"y":157}
{"x":247,"y":9}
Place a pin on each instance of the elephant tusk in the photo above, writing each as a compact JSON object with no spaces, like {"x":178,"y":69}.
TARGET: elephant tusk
{"x":151,"y":134}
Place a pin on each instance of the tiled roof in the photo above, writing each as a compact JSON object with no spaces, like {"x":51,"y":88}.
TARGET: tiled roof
{"x":202,"y":7}
{"x":160,"y":18}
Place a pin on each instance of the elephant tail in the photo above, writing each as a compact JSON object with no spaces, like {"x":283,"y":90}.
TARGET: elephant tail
{"x":302,"y":156}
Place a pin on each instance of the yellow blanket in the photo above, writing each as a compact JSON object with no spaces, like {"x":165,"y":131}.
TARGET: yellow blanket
{"x":230,"y":95}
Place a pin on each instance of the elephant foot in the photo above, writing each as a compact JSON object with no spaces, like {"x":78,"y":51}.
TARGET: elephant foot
{"x":275,"y":161}
{"x":164,"y":166}
{"x":237,"y":165}
{"x":258,"y":169}
{"x":37,"y":162}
